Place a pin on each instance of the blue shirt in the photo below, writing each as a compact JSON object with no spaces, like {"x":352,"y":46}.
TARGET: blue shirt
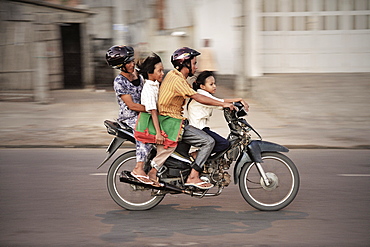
{"x":123,"y":86}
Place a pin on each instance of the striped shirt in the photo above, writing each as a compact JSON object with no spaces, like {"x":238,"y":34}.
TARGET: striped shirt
{"x":172,"y":94}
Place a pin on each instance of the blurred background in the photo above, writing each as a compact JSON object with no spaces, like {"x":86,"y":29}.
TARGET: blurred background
{"x":61,"y":44}
{"x":303,"y":66}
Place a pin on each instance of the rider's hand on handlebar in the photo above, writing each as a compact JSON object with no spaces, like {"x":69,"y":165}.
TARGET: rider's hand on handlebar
{"x":246,"y":106}
{"x":242,"y":101}
{"x":228,"y":105}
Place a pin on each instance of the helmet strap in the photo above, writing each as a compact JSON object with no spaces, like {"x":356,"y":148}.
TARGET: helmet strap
{"x":188,"y":65}
{"x":123,"y":68}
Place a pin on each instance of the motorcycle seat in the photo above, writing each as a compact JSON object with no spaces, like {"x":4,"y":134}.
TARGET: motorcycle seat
{"x":180,"y":157}
{"x":120,"y":129}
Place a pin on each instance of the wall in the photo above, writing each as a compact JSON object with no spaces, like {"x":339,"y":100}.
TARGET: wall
{"x":301,"y":36}
{"x":218,"y":21}
{"x":31,"y":33}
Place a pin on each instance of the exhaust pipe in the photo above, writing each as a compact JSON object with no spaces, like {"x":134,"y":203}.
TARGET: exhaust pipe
{"x":126,"y":177}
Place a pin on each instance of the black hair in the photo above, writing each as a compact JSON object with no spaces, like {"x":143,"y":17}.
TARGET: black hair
{"x":148,"y":65}
{"x":201,"y":79}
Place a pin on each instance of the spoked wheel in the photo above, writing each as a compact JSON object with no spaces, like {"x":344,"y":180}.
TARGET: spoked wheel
{"x":284,"y":183}
{"x":128,"y":196}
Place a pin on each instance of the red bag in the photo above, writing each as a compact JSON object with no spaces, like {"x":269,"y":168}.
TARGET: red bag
{"x":171,"y":129}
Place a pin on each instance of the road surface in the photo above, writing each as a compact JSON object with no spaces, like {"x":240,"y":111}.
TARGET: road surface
{"x":57,"y":197}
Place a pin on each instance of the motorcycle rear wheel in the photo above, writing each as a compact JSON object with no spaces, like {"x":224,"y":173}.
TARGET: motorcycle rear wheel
{"x":128,"y":196}
{"x":284,"y":182}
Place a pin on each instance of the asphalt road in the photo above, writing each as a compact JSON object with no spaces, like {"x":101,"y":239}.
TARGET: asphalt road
{"x":56,"y":197}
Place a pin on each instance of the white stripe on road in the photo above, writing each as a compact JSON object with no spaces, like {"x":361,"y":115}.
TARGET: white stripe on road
{"x":354,"y":175}
{"x":98,"y":174}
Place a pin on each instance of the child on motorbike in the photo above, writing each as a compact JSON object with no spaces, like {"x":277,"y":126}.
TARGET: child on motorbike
{"x":199,"y":114}
{"x":152,"y":70}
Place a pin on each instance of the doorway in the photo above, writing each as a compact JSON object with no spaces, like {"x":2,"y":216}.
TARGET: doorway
{"x":71,"y":47}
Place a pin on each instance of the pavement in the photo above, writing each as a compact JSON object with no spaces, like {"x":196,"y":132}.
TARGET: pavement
{"x":294,"y":110}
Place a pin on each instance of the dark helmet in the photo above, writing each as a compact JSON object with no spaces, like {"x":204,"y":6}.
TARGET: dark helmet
{"x":180,"y":56}
{"x":119,"y":55}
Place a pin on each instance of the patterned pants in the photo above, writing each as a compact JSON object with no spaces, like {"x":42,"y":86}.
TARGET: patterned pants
{"x":142,"y":149}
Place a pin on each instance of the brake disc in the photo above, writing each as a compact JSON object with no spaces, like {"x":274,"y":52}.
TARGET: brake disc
{"x":273,"y":179}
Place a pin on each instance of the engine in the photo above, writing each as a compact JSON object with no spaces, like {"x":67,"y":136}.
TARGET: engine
{"x":214,"y":171}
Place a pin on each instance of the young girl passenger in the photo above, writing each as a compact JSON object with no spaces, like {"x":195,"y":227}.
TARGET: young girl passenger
{"x":199,"y":114}
{"x":152,"y":70}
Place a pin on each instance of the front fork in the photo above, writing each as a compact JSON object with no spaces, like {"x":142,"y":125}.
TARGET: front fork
{"x":262,"y":173}
{"x":253,"y":153}
{"x":245,"y":158}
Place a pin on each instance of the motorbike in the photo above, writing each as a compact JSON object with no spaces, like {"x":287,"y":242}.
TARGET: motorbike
{"x":268,"y":180}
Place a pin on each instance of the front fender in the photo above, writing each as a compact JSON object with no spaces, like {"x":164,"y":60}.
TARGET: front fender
{"x":256,"y":148}
{"x":253,"y":153}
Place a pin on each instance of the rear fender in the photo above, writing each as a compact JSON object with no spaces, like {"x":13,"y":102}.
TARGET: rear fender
{"x":253,"y":153}
{"x":113,"y":146}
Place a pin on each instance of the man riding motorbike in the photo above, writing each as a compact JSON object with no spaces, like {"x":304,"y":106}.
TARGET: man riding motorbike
{"x":173,"y":92}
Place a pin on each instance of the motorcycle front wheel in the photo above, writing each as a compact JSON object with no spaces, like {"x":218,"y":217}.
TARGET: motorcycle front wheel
{"x":284,"y":182}
{"x":129,"y":196}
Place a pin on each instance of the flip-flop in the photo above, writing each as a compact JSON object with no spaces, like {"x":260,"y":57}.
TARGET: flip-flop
{"x":152,"y":182}
{"x":198,"y":185}
{"x":142,"y":177}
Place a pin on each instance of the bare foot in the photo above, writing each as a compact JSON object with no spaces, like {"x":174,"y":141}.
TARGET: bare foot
{"x":194,"y":154}
{"x":139,"y":171}
{"x":153,"y":174}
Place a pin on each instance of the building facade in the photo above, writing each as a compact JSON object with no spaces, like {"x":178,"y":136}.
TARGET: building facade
{"x":43,"y":46}
{"x":249,"y":38}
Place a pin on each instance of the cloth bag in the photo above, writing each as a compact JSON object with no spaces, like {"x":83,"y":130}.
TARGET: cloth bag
{"x":171,"y":129}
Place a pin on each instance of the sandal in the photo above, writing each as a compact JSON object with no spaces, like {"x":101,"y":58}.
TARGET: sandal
{"x":199,"y":185}
{"x":143,"y":179}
